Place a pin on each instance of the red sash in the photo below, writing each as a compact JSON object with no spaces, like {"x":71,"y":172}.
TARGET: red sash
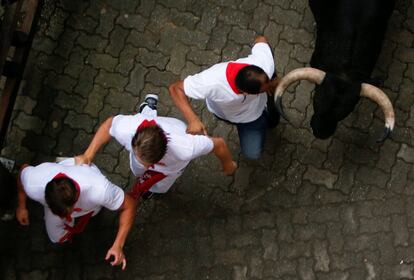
{"x":232,"y":70}
{"x":79,"y":227}
{"x":145,"y":182}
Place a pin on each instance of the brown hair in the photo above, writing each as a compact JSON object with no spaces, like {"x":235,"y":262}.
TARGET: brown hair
{"x":150,"y":143}
{"x":60,"y":195}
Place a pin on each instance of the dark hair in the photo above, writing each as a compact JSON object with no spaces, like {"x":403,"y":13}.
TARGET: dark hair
{"x":60,"y":195}
{"x":248,"y":79}
{"x":150,"y":143}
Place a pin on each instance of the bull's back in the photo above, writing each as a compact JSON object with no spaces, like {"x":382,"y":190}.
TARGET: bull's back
{"x":349,"y":35}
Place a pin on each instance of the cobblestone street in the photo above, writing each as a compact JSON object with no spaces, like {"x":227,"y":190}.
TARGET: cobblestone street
{"x":341,"y":208}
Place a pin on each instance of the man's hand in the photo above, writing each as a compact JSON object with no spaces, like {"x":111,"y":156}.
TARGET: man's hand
{"x":230,"y":168}
{"x":260,"y":39}
{"x":82,"y":159}
{"x":118,"y":254}
{"x":22,"y":216}
{"x":196,"y":127}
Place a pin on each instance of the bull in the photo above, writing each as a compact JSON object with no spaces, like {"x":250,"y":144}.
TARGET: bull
{"x":349,"y":36}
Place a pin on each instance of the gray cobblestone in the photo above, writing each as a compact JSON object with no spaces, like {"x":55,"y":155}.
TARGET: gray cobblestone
{"x":104,"y":61}
{"x":80,"y":121}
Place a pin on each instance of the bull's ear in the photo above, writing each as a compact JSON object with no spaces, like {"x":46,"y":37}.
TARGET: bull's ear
{"x":324,"y":97}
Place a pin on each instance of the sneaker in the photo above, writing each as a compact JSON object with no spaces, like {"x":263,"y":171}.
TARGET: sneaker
{"x":150,"y":100}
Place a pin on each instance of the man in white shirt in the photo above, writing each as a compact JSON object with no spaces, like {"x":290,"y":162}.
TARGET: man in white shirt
{"x":159,"y":147}
{"x":235,"y":92}
{"x":71,"y":194}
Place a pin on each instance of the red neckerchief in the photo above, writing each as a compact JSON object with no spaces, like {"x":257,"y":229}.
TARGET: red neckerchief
{"x":146,"y":123}
{"x":63,"y":175}
{"x":81,"y":221}
{"x":232,"y":70}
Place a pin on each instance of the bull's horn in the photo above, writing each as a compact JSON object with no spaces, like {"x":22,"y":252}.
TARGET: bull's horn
{"x":308,"y":73}
{"x":379,"y":97}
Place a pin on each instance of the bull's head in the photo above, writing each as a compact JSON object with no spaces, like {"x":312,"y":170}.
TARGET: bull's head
{"x":335,"y":98}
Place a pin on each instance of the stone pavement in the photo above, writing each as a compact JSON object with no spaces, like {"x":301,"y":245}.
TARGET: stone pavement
{"x":309,"y":209}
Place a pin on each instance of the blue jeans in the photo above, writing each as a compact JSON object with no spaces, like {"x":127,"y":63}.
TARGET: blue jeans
{"x":252,"y":136}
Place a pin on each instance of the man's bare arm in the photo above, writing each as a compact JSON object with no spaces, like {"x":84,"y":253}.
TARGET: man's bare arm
{"x":126,"y":220}
{"x":101,"y":137}
{"x":260,"y":39}
{"x":22,"y":214}
{"x":223,"y":154}
{"x":195,"y":126}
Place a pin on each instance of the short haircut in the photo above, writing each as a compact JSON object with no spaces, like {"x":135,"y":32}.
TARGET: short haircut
{"x":150,"y":143}
{"x":248,"y":79}
{"x":61,"y":195}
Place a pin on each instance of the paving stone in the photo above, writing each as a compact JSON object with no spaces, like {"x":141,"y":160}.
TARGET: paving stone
{"x":234,"y":17}
{"x":47,"y":62}
{"x":400,"y":230}
{"x":321,"y":256}
{"x":260,"y":17}
{"x":149,"y":59}
{"x":106,"y":21}
{"x":111,"y":80}
{"x":319,"y":176}
{"x":209,"y":19}
{"x":95,"y":42}
{"x":178,"y":59}
{"x":86,"y":81}
{"x":203,"y":57}
{"x":185,"y":19}
{"x":104,"y":61}
{"x":136,"y":22}
{"x":80,"y":121}
{"x":142,"y":40}
{"x":406,"y":153}
{"x":269,"y":244}
{"x":75,"y":63}
{"x":161,"y":78}
{"x":136,"y":80}
{"x":279,"y":269}
{"x":70,"y":101}
{"x":63,"y":83}
{"x":301,"y":36}
{"x":81,"y":22}
{"x":217,"y":40}
{"x":95,"y":100}
{"x":396,"y":71}
{"x":285,"y":17}
{"x":116,"y":41}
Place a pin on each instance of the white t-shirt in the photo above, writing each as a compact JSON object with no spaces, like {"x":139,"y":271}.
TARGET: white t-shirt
{"x":181,"y":147}
{"x":212,"y":85}
{"x":96,"y":191}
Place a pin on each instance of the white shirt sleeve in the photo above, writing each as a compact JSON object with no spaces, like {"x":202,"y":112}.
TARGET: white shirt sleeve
{"x":197,"y":145}
{"x":203,"y":84}
{"x":111,"y":196}
{"x":122,"y":130}
{"x":261,"y":56}
{"x":32,"y":178}
{"x":55,"y":226}
{"x":202,"y":145}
